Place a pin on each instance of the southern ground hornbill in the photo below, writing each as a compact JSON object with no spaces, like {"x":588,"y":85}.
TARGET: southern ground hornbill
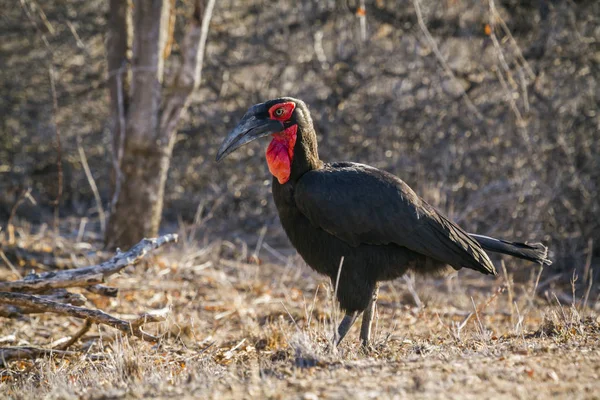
{"x":369,"y":217}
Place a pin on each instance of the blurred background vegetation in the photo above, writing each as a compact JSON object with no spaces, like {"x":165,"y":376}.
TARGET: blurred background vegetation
{"x":522,"y":163}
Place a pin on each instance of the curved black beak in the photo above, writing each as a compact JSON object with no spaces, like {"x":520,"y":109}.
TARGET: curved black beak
{"x":250,"y":128}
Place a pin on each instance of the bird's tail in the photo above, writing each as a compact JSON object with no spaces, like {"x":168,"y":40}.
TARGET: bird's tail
{"x":535,"y":252}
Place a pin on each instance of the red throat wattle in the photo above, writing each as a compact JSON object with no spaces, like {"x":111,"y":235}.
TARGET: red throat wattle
{"x":280,"y":153}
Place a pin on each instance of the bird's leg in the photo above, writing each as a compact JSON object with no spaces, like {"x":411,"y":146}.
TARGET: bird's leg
{"x":367,"y":320}
{"x":345,"y":326}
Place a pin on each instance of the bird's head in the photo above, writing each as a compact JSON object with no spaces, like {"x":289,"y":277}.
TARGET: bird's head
{"x":279,"y":118}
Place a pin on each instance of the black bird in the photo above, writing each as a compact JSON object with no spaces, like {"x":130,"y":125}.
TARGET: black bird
{"x":369,"y":217}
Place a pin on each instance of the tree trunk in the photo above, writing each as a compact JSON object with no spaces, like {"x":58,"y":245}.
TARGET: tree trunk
{"x":117,"y":44}
{"x":139,"y":206}
{"x":150,"y":129}
{"x":145,"y":156}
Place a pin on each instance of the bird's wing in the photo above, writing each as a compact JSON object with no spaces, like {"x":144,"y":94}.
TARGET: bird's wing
{"x":361,"y":204}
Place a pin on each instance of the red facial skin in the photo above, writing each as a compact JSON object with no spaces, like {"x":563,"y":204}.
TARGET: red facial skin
{"x":280,"y":152}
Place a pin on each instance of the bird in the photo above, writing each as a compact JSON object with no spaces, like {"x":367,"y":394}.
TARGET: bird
{"x":357,"y":224}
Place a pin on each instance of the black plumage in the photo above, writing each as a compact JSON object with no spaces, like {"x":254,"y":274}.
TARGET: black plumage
{"x":369,"y":217}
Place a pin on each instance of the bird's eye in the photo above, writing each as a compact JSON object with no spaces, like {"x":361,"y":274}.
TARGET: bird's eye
{"x":282,"y":111}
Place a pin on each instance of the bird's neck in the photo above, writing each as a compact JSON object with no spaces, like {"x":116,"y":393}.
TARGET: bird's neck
{"x":306,"y":155}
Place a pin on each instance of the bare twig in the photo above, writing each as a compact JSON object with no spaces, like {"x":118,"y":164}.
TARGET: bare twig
{"x":189,"y":74}
{"x":78,"y":40}
{"x":497,"y":17}
{"x":25,"y":195}
{"x":335,"y":306}
{"x":291,"y":316}
{"x":49,"y":27}
{"x":505,"y":67}
{"x":521,"y":122}
{"x":524,"y":90}
{"x":58,"y":150}
{"x":520,"y":320}
{"x":229,"y":353}
{"x":40,"y":12}
{"x":80,"y":232}
{"x":337,"y":279}
{"x":443,"y":62}
{"x":479,"y":323}
{"x":92,"y":183}
{"x":261,"y":238}
{"x":118,"y":139}
{"x":87,"y":276}
{"x":275,"y":253}
{"x":362,"y":17}
{"x":457,"y":328}
{"x":96,"y":316}
{"x":312,"y":307}
{"x":84,"y":329}
{"x":169,"y":37}
{"x":10,"y":265}
{"x":537,"y":281}
{"x":588,"y":260}
{"x":509,"y":287}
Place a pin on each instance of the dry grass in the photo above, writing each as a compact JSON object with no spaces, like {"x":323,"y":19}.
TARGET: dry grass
{"x":238,"y":329}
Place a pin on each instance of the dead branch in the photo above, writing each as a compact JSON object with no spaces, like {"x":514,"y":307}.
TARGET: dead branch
{"x":86,"y":276}
{"x":27,"y":352}
{"x":59,"y":301}
{"x":59,"y":161}
{"x":13,"y":353}
{"x":498,"y":18}
{"x":443,"y":62}
{"x":10,"y":265}
{"x":84,"y":329}
{"x":25,"y":195}
{"x":35,"y":283}
{"x":103,"y":290}
{"x":41,"y":304}
{"x":189,"y":74}
{"x":92,"y":183}
{"x":58,"y":295}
